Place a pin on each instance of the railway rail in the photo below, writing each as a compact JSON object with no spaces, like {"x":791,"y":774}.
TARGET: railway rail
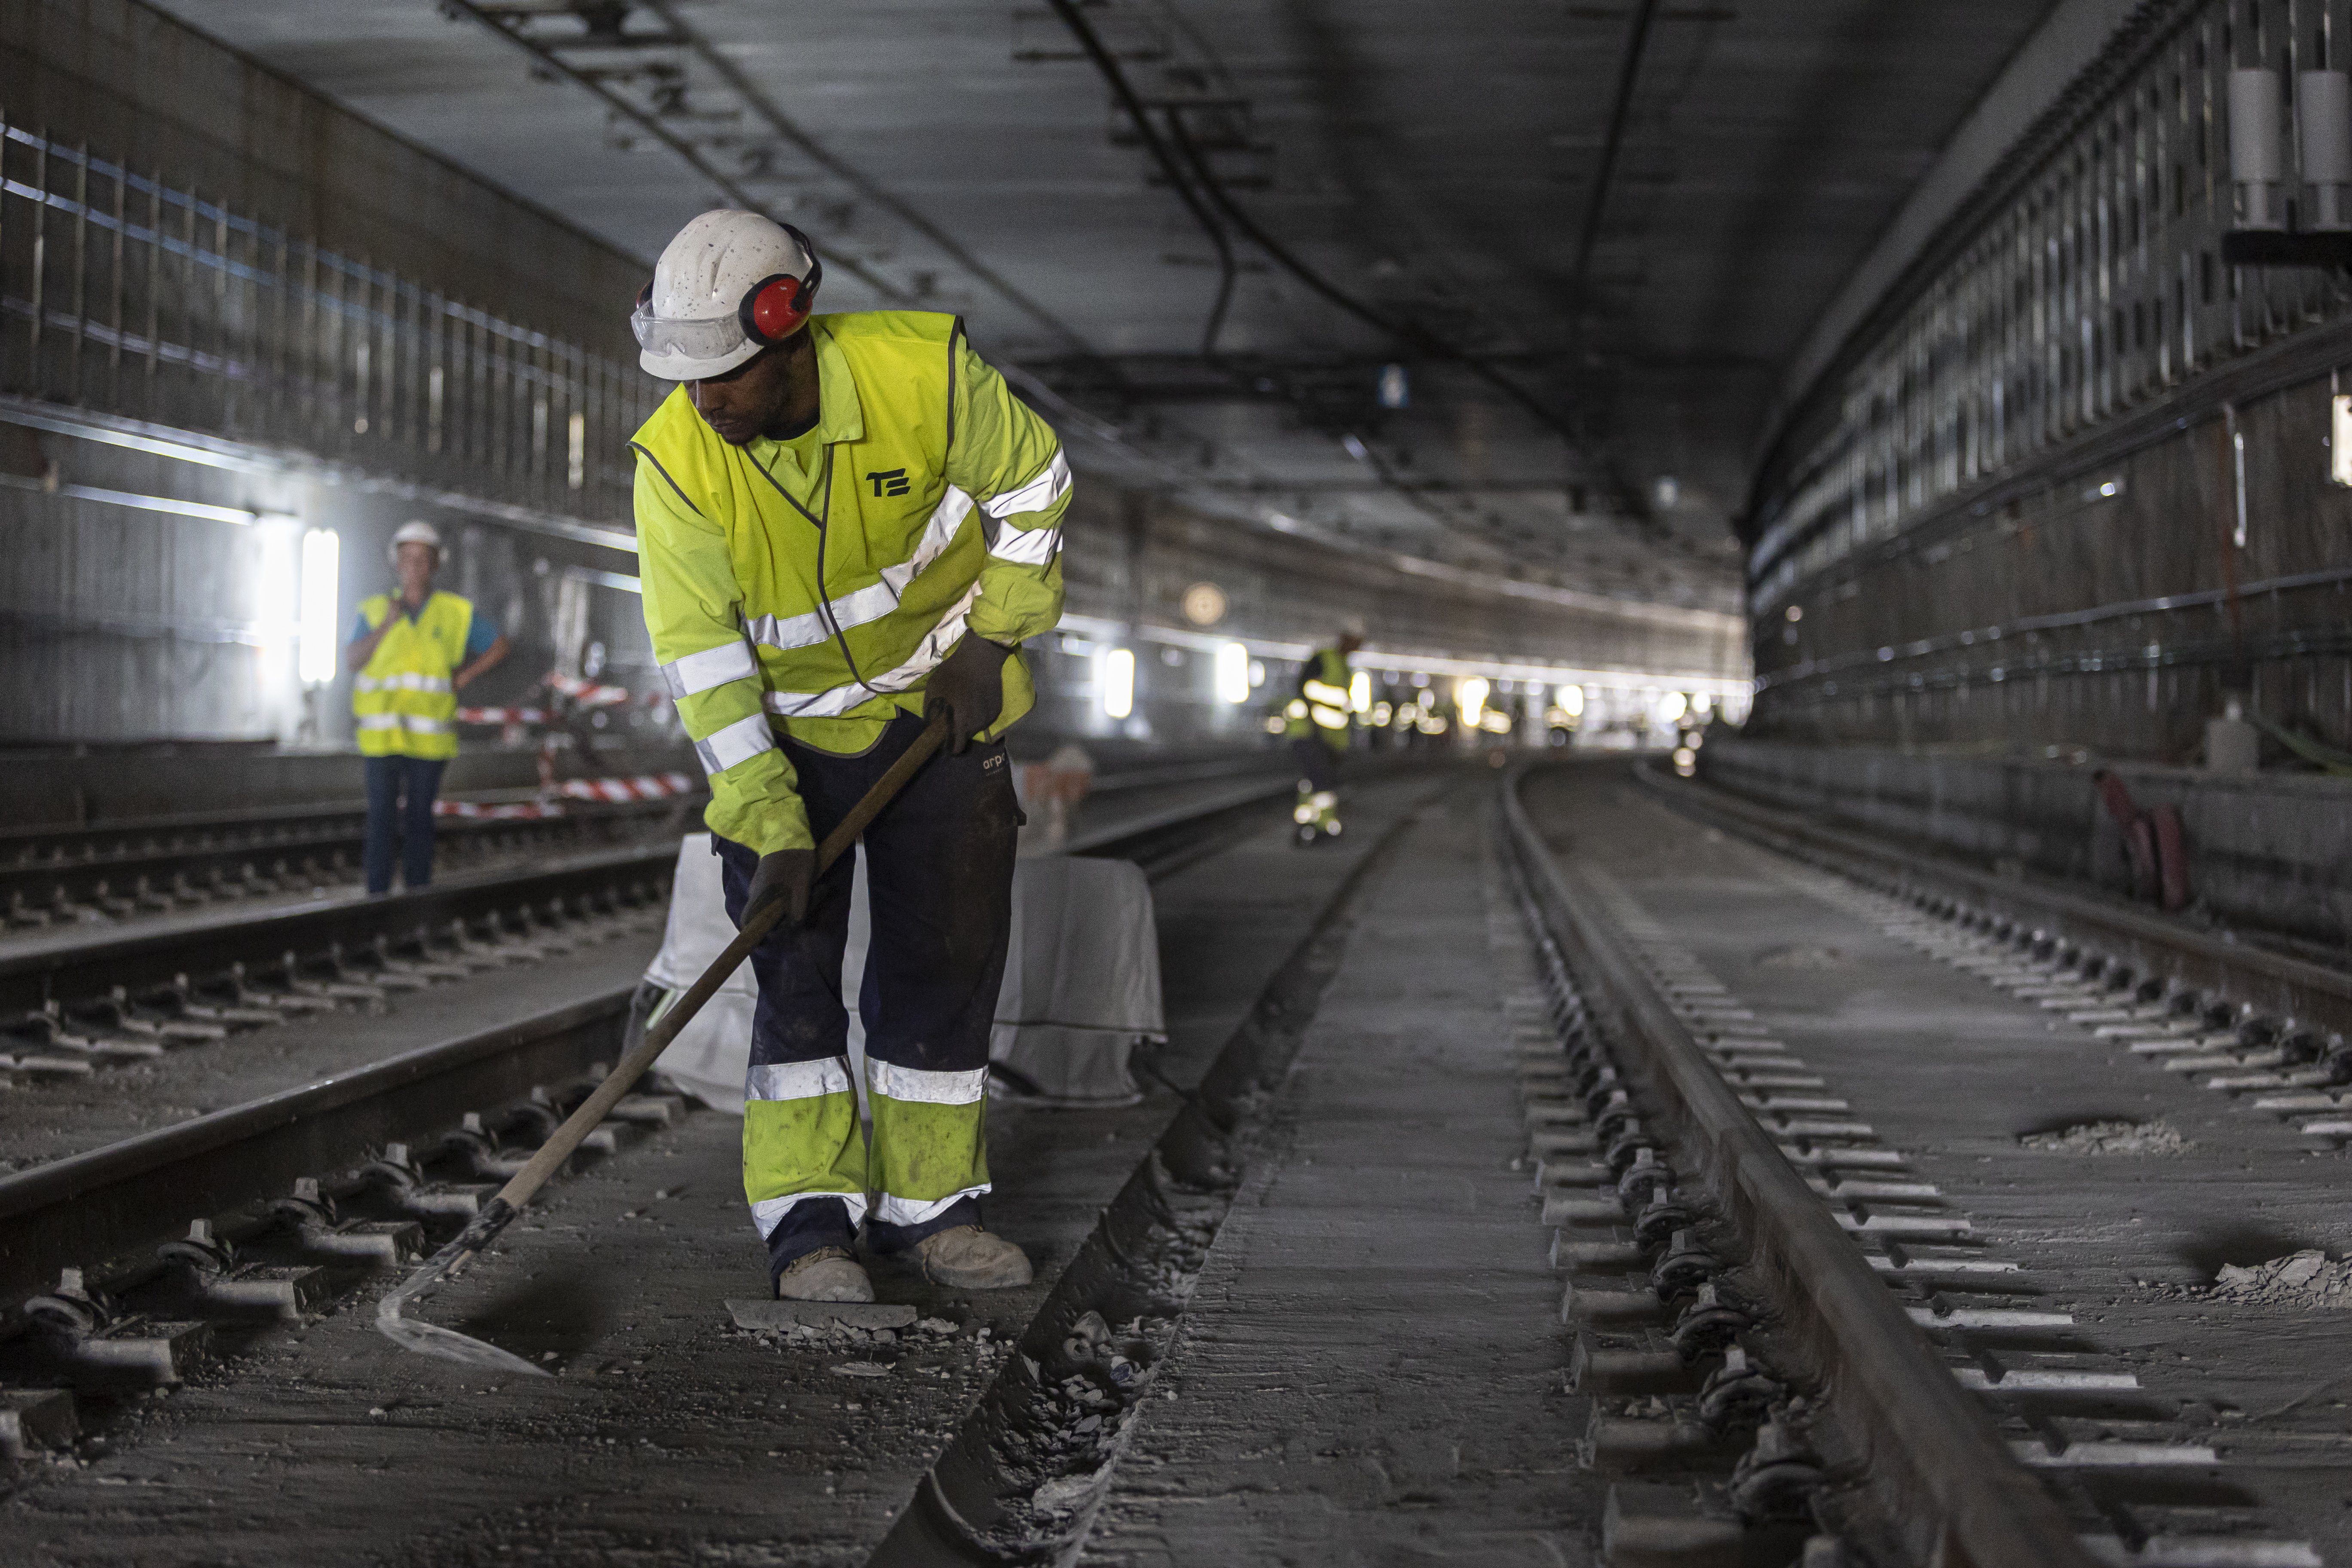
{"x":68,"y":1007}
{"x":123,"y":1267}
{"x":69,"y":877}
{"x":1823,"y":1337}
{"x":2214,"y":992}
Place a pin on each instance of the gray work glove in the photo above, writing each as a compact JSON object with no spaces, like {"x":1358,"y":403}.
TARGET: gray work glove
{"x":969,"y":684}
{"x":786,"y":875}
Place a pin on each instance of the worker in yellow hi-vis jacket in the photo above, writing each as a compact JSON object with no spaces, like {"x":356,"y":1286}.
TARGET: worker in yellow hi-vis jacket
{"x":1317,"y":722}
{"x":848,"y":522}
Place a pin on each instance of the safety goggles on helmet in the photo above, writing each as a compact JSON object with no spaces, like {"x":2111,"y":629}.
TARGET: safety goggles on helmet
{"x":706,"y":338}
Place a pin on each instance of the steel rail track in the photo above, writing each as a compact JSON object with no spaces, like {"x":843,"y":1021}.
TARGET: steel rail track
{"x":166,"y":970}
{"x":2155,"y":956}
{"x":1939,"y":1472}
{"x":145,"y":1189}
{"x":49,"y":875}
{"x":134,"y":1193}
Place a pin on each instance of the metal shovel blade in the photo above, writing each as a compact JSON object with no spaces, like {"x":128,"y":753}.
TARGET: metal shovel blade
{"x":429,"y":1339}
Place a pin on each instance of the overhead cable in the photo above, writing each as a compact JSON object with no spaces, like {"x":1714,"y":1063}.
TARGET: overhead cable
{"x":1104,"y":62}
{"x":1629,"y":67}
{"x":816,"y":153}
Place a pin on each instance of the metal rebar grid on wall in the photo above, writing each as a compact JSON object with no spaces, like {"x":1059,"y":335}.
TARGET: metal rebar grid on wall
{"x":125,"y":294}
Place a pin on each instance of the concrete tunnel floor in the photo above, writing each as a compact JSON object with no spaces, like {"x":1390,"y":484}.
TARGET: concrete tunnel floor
{"x":669,"y":1436}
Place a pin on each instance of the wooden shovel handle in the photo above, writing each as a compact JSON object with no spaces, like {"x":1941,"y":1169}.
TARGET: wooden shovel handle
{"x":552,"y":1154}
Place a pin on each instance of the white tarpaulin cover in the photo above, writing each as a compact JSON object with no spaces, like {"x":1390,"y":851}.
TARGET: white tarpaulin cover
{"x":1081,"y":981}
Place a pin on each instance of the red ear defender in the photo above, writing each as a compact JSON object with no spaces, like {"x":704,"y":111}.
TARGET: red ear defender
{"x":774,"y":308}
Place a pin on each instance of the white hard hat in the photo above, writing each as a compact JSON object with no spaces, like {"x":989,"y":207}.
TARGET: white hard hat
{"x":416,"y":530}
{"x":730,"y":284}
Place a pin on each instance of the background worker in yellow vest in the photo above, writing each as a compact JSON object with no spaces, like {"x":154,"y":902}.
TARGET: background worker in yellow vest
{"x":845,"y":523}
{"x":1316,"y":721}
{"x":412,"y":650}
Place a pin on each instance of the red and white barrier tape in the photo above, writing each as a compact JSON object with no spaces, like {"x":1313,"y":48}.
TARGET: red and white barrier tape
{"x":615,"y":792}
{"x":646,"y":786}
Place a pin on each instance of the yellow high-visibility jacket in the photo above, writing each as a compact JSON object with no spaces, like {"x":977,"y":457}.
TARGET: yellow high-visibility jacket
{"x":810,"y":585}
{"x":403,"y":701}
{"x":1321,"y":707}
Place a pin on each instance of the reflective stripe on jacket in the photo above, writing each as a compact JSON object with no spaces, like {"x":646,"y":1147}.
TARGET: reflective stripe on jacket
{"x":403,"y":701}
{"x":1321,"y":706}
{"x":812,"y":585}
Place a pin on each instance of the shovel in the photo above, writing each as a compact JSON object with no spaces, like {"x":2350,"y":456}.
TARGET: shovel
{"x":447,"y":1264}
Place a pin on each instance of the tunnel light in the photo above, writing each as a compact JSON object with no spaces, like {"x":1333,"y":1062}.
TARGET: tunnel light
{"x":1571,"y":700}
{"x":1359,"y":691}
{"x":1382,"y":714}
{"x":1118,"y":682}
{"x":1232,"y":672}
{"x":1396,"y":389}
{"x":1470,"y":696}
{"x":323,"y":551}
{"x":2339,"y":439}
{"x":1686,"y":762}
{"x":1273,"y":724}
{"x":1257,"y":673}
{"x":279,"y":598}
{"x":1671,"y":705}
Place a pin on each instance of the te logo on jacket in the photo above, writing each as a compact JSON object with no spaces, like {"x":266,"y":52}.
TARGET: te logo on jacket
{"x":889,"y":481}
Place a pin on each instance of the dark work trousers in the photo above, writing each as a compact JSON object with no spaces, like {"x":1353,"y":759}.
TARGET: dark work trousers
{"x":389,"y":818}
{"x":939,"y":869}
{"x":1319,"y":764}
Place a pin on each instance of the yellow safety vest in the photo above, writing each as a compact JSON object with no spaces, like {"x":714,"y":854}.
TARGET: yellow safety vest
{"x":1321,"y":706}
{"x":814,"y":601}
{"x":404,"y":701}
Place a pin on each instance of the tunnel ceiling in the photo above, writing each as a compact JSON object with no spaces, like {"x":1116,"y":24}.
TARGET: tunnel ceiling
{"x":1434,"y":163}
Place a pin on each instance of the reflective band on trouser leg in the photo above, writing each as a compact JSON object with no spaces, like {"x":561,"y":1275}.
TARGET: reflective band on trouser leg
{"x":930,"y":1139}
{"x":800,"y":1138}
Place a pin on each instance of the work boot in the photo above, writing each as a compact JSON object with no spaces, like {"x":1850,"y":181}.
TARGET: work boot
{"x":969,"y":1258}
{"x":828,"y":1274}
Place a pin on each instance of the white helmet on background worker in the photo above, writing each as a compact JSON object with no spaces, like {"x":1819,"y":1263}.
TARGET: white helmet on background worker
{"x":416,"y":530}
{"x":730,"y":284}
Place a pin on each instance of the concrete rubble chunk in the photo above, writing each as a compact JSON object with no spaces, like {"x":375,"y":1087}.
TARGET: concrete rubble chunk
{"x":770,"y":1315}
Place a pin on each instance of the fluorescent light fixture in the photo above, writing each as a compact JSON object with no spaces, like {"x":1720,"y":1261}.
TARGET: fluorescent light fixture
{"x":1234,"y":672}
{"x":1571,"y":700}
{"x":1359,"y":691}
{"x":1470,"y":696}
{"x":277,"y":601}
{"x":322,"y":569}
{"x":1118,"y":682}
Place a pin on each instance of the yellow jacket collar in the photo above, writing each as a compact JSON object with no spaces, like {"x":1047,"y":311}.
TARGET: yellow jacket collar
{"x":839,"y":416}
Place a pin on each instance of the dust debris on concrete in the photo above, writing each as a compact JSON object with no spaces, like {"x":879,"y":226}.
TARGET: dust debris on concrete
{"x":2304,"y":1278}
{"x":2157,"y":1137}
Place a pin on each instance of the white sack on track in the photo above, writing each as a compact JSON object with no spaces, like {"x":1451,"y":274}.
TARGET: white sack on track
{"x":1081,"y":981}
